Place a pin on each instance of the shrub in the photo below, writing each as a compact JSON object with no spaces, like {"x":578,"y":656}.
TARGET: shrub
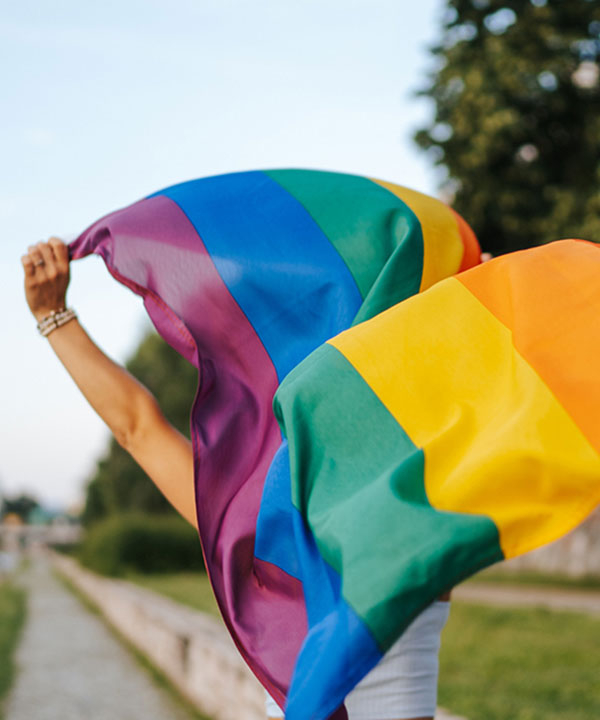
{"x":141,"y":543}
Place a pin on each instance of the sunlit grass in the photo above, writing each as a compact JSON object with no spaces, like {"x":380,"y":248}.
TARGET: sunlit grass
{"x":526,"y":664}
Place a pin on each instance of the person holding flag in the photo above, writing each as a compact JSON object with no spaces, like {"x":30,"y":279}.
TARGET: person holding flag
{"x":332,"y":524}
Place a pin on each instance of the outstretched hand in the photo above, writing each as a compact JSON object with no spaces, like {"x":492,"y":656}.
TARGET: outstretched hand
{"x":46,"y":268}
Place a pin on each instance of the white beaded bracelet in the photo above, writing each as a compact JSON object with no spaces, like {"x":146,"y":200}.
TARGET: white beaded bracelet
{"x":55,"y":320}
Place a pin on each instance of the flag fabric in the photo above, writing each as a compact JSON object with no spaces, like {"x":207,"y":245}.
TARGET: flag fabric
{"x":456,"y":429}
{"x":245,"y":275}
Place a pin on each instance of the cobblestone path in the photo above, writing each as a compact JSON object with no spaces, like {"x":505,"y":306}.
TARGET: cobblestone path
{"x":71,"y":667}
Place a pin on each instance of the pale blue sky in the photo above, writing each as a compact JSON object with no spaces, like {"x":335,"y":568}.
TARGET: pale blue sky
{"x":104,"y":103}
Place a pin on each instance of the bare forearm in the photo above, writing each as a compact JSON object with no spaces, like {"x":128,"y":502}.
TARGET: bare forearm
{"x":114,"y":393}
{"x":133,"y":415}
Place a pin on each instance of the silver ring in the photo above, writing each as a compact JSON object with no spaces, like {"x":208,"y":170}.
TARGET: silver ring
{"x":39,"y":263}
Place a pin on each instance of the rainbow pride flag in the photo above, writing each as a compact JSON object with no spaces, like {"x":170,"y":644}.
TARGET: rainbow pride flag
{"x":245,"y":275}
{"x":454,"y":430}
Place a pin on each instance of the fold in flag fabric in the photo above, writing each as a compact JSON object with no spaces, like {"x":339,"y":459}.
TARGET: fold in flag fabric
{"x":245,"y":275}
{"x":454,"y":430}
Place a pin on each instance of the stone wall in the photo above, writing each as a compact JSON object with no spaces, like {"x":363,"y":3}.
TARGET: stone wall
{"x":192,"y":649}
{"x":576,"y":555}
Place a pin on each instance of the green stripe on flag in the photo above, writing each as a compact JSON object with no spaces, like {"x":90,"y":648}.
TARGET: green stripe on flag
{"x":358,"y":479}
{"x":378,"y":236}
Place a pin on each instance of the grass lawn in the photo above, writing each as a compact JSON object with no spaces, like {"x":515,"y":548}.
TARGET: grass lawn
{"x":12,"y":615}
{"x":530,"y":664}
{"x":190,"y":588}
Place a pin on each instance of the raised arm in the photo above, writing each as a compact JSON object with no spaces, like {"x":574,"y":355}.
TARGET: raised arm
{"x":125,"y":405}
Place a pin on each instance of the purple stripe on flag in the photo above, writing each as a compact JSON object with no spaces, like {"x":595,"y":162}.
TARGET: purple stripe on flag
{"x":153,"y":248}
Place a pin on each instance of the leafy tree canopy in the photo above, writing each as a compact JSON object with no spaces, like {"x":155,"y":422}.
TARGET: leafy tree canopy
{"x":517,"y":118}
{"x":21,"y":505}
{"x":119,"y":484}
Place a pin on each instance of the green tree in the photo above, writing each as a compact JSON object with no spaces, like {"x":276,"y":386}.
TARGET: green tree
{"x":22,"y":505}
{"x":119,"y":484}
{"x":517,"y":118}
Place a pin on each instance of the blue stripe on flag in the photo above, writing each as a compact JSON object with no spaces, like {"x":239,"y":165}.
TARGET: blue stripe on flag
{"x":275,"y":261}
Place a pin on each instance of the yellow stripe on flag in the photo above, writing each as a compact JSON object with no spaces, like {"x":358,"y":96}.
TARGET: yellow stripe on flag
{"x":443,"y":246}
{"x":496,"y":440}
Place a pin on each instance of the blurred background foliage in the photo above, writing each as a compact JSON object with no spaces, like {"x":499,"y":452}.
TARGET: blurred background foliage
{"x":119,"y":484}
{"x":516,"y":88}
{"x":23,"y":506}
{"x":138,"y":542}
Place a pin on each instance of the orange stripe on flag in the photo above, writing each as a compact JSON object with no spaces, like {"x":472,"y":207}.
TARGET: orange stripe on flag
{"x":472,"y":252}
{"x":549,"y":298}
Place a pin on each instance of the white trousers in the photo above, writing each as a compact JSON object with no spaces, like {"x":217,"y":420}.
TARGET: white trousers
{"x":403,"y":684}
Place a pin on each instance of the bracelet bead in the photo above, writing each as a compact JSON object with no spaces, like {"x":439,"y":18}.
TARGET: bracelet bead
{"x":56,"y":319}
